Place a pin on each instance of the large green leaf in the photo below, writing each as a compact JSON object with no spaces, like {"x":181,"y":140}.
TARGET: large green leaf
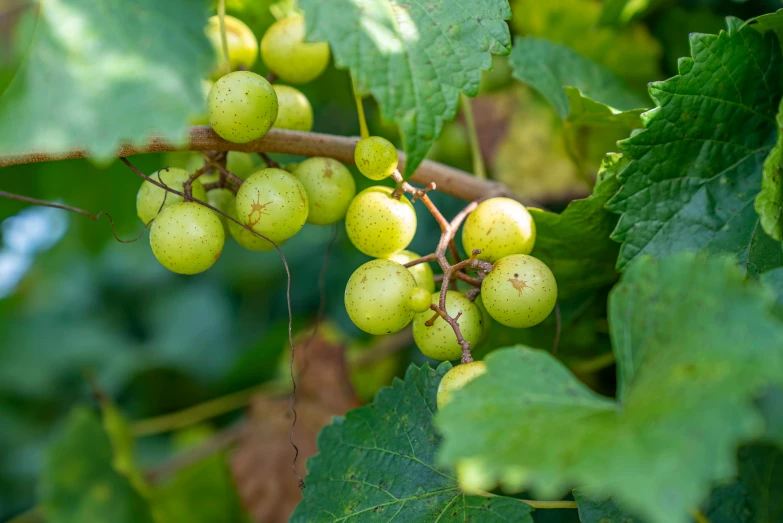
{"x":576,"y":243}
{"x":377,"y":464}
{"x":695,"y":344}
{"x":601,"y":509}
{"x":413,"y":57}
{"x":80,"y":484}
{"x":696,"y":169}
{"x":594,"y":91}
{"x":761,"y":473}
{"x":101,"y":73}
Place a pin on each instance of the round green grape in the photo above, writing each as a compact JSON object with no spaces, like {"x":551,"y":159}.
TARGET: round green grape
{"x":242,"y":44}
{"x":273,"y":202}
{"x":187,"y":238}
{"x":499,"y":227}
{"x":330,"y":188}
{"x":376,"y":297}
{"x":242,"y":106}
{"x":245,"y":238}
{"x":422,"y":272}
{"x":222,"y":199}
{"x":293,"y":109}
{"x":150,"y":197}
{"x":378,"y":224}
{"x":439,"y":341}
{"x":375,"y":157}
{"x":419,"y":299}
{"x":457,"y":378}
{"x":286,"y":53}
{"x":520,"y":291}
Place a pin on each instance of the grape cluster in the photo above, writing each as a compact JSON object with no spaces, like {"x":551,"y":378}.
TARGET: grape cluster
{"x":265,"y":204}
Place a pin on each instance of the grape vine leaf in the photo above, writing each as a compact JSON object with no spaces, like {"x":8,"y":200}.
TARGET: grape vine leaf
{"x":580,"y":90}
{"x":79,"y":483}
{"x":122,"y":72}
{"x":594,"y":508}
{"x":377,"y":464}
{"x":413,"y":57}
{"x":769,"y":202}
{"x":761,"y":473}
{"x":696,"y":168}
{"x":695,"y":343}
{"x":575,"y":244}
{"x":769,"y":22}
{"x":729,"y":504}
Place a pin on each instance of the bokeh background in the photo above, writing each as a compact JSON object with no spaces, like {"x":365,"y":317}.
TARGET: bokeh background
{"x":80,"y":311}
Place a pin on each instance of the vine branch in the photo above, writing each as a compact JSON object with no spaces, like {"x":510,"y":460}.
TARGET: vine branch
{"x":451,"y":181}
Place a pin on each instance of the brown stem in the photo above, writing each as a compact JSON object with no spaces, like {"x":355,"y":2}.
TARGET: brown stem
{"x":220,"y":165}
{"x":451,"y":181}
{"x":268,"y":161}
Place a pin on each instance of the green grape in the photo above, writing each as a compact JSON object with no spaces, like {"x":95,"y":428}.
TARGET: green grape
{"x":187,"y":238}
{"x":439,"y":341}
{"x":499,"y":227}
{"x":419,"y":299}
{"x":150,"y":197}
{"x":286,"y":53}
{"x":241,"y":164}
{"x":330,"y":188}
{"x":273,"y":202}
{"x":242,"y":44}
{"x":520,"y":291}
{"x":245,"y":238}
{"x":293,"y":109}
{"x":457,"y":378}
{"x":375,"y":157}
{"x":378,"y":224}
{"x":422,"y":272}
{"x":222,"y":199}
{"x":242,"y":106}
{"x":376,"y":297}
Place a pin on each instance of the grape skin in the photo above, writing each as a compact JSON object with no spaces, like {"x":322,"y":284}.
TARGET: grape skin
{"x":150,"y":197}
{"x":520,"y":291}
{"x":457,"y":378}
{"x":187,"y":238}
{"x":242,"y":43}
{"x":499,"y":227}
{"x":422,"y":272}
{"x":285,"y":52}
{"x":273,"y":202}
{"x":376,"y":297}
{"x":330,"y":188}
{"x":293,"y":109}
{"x":375,"y":157}
{"x":378,"y":224}
{"x":439,"y":341}
{"x":222,"y":199}
{"x":245,"y":238}
{"x":242,"y":106}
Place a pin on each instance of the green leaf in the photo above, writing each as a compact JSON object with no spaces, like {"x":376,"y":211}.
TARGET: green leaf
{"x":695,"y":343}
{"x":770,"y":22}
{"x":79,"y":484}
{"x":377,"y":464}
{"x":414,"y":57}
{"x":696,"y":169}
{"x":769,"y":202}
{"x":729,"y":504}
{"x":100,"y":74}
{"x":575,"y":244}
{"x":548,"y":67}
{"x":586,"y":111}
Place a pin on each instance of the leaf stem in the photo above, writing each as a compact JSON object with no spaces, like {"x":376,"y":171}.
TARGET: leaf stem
{"x":365,"y":133}
{"x":223,"y":36}
{"x":475,"y":149}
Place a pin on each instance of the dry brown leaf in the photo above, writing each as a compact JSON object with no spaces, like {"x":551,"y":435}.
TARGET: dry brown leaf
{"x":261,"y":464}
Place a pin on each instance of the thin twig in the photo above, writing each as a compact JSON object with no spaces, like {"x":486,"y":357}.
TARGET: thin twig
{"x":268,"y":161}
{"x":558,"y":327}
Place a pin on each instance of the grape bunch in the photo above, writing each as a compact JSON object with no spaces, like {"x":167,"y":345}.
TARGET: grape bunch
{"x":383,"y":296}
